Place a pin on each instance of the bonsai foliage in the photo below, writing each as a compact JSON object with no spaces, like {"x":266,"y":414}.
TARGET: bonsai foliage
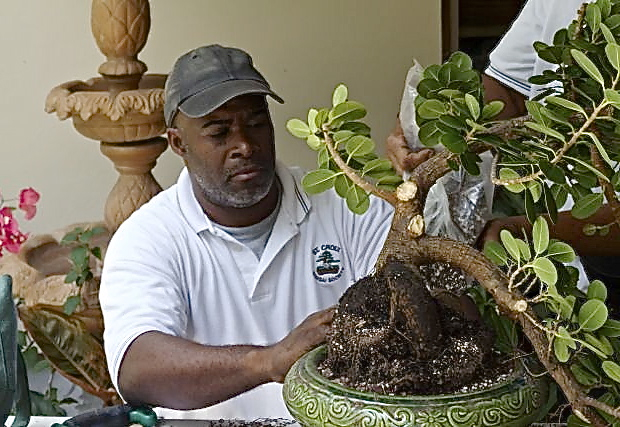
{"x":566,"y":145}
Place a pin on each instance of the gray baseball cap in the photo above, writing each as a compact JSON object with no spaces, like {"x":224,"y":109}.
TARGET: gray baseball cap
{"x":205,"y":78}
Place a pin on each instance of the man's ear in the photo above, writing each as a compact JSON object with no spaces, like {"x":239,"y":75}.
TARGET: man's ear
{"x":176,"y":141}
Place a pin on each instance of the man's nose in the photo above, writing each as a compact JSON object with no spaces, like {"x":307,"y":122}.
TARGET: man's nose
{"x":243,"y":146}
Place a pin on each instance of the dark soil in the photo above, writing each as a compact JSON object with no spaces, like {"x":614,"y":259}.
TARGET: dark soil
{"x":391,"y":335}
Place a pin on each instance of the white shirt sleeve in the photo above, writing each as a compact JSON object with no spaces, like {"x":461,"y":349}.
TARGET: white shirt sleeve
{"x":513,"y":60}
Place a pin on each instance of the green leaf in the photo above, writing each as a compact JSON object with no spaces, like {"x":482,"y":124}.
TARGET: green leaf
{"x":600,"y":148}
{"x":340,"y":95}
{"x":545,"y":270}
{"x":582,"y":375}
{"x":506,"y":174}
{"x":592,"y":315}
{"x":321,"y":118}
{"x":461,"y":60}
{"x":298,"y":128}
{"x":612,"y":50}
{"x":431,"y":109}
{"x":318,"y":181}
{"x":357,"y":200}
{"x":495,"y":252}
{"x":345,"y":112}
{"x":597,"y":290}
{"x":546,"y":130}
{"x":71,"y":303}
{"x":587,"y":205}
{"x":524,"y":249}
{"x":566,"y":104}
{"x":71,"y":277}
{"x":540,"y":235}
{"x":603,"y":345}
{"x":552,"y":172}
{"x":342,"y":184}
{"x":470,"y":162}
{"x":560,"y":348}
{"x":359,"y":145}
{"x":593,"y":16}
{"x":535,"y":189}
{"x":454,"y":142}
{"x":613,"y":97}
{"x":612,"y":370}
{"x":611,"y":328}
{"x":561,"y":252}
{"x":609,"y":36}
{"x":314,"y":142}
{"x":429,"y":134}
{"x":312,"y":113}
{"x":473,"y":105}
{"x":492,"y":109}
{"x":377,"y":165}
{"x":588,"y":66}
{"x":510,"y":244}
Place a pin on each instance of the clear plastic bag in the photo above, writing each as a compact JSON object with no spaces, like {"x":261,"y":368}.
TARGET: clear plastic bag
{"x":458,"y":205}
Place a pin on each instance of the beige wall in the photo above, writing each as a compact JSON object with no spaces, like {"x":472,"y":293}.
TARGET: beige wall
{"x":303,"y":48}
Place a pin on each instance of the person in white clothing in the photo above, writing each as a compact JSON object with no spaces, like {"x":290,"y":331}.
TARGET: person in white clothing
{"x":216,"y":286}
{"x":512,"y":63}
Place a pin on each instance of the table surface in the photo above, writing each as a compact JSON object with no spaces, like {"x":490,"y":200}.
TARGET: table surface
{"x":48,"y":421}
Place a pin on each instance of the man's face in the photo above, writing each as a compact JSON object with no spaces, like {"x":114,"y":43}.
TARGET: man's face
{"x":229,"y":153}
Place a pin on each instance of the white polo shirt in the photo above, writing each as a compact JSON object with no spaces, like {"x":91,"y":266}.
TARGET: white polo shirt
{"x":169,"y":269}
{"x":514,"y":60}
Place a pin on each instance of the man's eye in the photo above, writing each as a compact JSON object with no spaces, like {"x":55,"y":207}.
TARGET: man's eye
{"x":216,"y":132}
{"x":257,"y":123}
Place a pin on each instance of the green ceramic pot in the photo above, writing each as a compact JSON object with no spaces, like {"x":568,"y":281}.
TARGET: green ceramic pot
{"x":315,"y":401}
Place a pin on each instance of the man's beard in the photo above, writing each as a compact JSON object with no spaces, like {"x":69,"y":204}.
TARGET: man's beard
{"x":226,"y":197}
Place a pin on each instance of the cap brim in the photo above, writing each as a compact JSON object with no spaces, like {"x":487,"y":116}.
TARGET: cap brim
{"x":208,"y":100}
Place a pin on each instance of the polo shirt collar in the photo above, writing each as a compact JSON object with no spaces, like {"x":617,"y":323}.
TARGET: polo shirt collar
{"x":295,"y":202}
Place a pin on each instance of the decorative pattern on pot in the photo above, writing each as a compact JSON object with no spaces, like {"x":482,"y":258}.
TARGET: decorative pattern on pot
{"x":315,"y":401}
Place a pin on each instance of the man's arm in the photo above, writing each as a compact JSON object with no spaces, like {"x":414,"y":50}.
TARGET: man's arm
{"x":568,"y":229}
{"x":163,"y":370}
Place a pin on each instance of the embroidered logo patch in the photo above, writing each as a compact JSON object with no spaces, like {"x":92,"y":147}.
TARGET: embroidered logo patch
{"x":327,"y":267}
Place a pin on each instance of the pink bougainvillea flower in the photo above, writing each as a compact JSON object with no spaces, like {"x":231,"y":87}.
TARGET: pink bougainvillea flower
{"x":28,"y":199}
{"x":11,"y":238}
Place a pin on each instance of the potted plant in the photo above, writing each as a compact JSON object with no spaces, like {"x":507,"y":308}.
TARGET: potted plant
{"x":567,"y":144}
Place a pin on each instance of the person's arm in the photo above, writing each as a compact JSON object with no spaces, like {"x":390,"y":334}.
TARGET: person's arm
{"x":568,"y":229}
{"x":514,"y":101}
{"x":163,"y":370}
{"x":403,"y":158}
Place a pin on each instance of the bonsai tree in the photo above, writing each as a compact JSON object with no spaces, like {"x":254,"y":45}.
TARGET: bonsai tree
{"x":567,"y":144}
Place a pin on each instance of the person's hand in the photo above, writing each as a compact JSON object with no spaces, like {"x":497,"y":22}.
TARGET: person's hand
{"x":309,"y":334}
{"x":517,"y":225}
{"x":402,"y":157}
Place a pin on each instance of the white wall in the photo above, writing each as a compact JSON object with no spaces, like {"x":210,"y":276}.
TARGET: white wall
{"x":303,"y":48}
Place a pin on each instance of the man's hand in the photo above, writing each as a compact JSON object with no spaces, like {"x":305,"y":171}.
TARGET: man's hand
{"x":402,"y":157}
{"x":309,"y":334}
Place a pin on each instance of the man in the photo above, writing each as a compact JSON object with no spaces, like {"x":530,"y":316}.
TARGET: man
{"x":210,"y":291}
{"x":512,"y":63}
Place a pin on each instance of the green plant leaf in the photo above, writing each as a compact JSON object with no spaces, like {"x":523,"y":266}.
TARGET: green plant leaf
{"x":69,"y":347}
{"x":587,"y":205}
{"x":561,"y":252}
{"x":593,"y":16}
{"x":357,"y":200}
{"x":510,"y":244}
{"x":495,"y":252}
{"x":377,"y":165}
{"x":431,"y":109}
{"x":342,"y":184}
{"x":312,"y":113}
{"x":71,"y":304}
{"x":540,"y":235}
{"x":609,"y":36}
{"x":601,"y":343}
{"x":546,"y":130}
{"x":340,"y":95}
{"x":600,"y":148}
{"x":321,"y":118}
{"x":454,"y":142}
{"x":611,"y":328}
{"x":613,"y":97}
{"x":588,"y":66}
{"x":612,"y":370}
{"x":345,"y":112}
{"x":545,"y":270}
{"x":298,"y":128}
{"x":560,"y":348}
{"x":359,"y":145}
{"x":492,"y":109}
{"x":552,"y":172}
{"x":430,"y":134}
{"x":535,"y":189}
{"x":473,"y":105}
{"x":612,"y":50}
{"x":592,"y":315}
{"x":506,"y":174}
{"x":597,"y":290}
{"x":318,"y":181}
{"x":562,"y":102}
{"x":524,"y":249}
{"x":582,"y":375}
